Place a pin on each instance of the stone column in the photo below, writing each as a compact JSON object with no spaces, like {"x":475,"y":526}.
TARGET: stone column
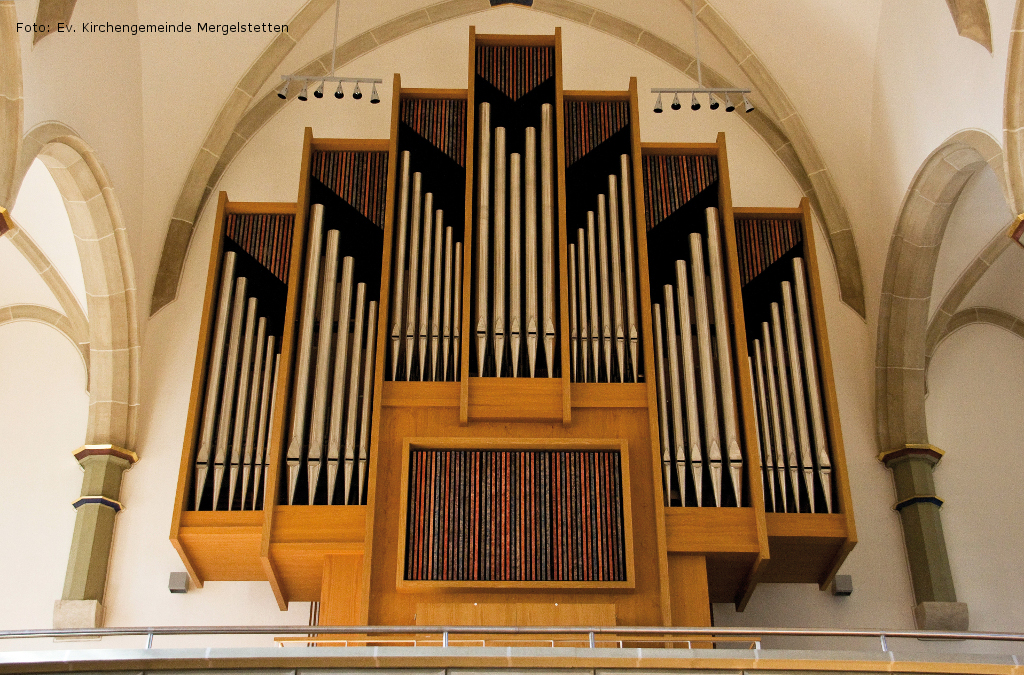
{"x":936,"y":605}
{"x":81,"y":605}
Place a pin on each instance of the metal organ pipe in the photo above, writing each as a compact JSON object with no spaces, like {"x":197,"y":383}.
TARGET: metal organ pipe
{"x":216,"y":364}
{"x":530,"y":187}
{"x":515,"y":260}
{"x":435,"y":298}
{"x":414,"y":268}
{"x":573,"y":327}
{"x":398,"y":294}
{"x":616,"y":254}
{"x":666,"y":446}
{"x":423,"y":332}
{"x":341,"y":365}
{"x":595,"y":344}
{"x":228,"y":392}
{"x":499,"y":251}
{"x":252,"y":417}
{"x":689,"y":381}
{"x":446,"y":322}
{"x":368,"y":376}
{"x":787,"y":410}
{"x":729,"y":414}
{"x":813,"y":388}
{"x":675,"y":392}
{"x":707,"y":368}
{"x":629,"y":267}
{"x":457,"y":309}
{"x":548,"y":235}
{"x":353,"y":393}
{"x":606,"y":291}
{"x":581,"y":273}
{"x":238,"y":438}
{"x":776,"y":419}
{"x":799,"y":403}
{"x":264,"y":420}
{"x":483,"y":206}
{"x":323,"y":361}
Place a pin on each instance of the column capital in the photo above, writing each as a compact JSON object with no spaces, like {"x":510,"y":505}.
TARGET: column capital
{"x":924,"y":451}
{"x":105,"y":449}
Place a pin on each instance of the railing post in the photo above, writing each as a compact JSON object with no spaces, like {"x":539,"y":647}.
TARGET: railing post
{"x":885,"y":646}
{"x":591,"y":639}
{"x":444,"y":639}
{"x":149,"y":640}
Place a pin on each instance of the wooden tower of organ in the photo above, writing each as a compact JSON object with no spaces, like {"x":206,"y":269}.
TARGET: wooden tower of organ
{"x":513,"y":366}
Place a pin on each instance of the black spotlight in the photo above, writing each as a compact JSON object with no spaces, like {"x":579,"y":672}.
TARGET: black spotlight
{"x":373,"y":95}
{"x":303,"y":95}
{"x":356,"y":94}
{"x":676,"y":105}
{"x":657,"y":104}
{"x":319,"y":93}
{"x":729,"y":107}
{"x":694,"y":103}
{"x":339,"y":92}
{"x":747,"y":105}
{"x":283,"y":92}
{"x":712,"y":102}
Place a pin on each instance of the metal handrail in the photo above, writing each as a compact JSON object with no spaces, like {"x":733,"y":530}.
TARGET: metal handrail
{"x":756,"y":634}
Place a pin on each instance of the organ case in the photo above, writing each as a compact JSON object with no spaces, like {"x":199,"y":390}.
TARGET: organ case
{"x":606,"y":418}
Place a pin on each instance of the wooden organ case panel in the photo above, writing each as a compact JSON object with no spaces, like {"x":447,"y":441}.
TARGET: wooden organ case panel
{"x":509,"y":316}
{"x":803,"y":468}
{"x":220,"y":502}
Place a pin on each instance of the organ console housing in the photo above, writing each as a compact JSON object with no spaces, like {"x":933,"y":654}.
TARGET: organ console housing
{"x":512,"y":365}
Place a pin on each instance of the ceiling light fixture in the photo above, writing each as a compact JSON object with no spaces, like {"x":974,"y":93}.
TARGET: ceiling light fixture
{"x":306,"y":80}
{"x":700,"y":88}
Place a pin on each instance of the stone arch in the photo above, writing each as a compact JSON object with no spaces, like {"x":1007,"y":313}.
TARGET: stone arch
{"x":780,"y":127}
{"x":972,"y":22}
{"x":969,"y":317}
{"x":900,"y":364}
{"x":12,"y":108}
{"x":47,"y":317}
{"x":1013,"y":110}
{"x":101,"y":239}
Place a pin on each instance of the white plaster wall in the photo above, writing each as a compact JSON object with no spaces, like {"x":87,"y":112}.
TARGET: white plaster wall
{"x":43,"y":418}
{"x":19,"y":282}
{"x":975,"y":385}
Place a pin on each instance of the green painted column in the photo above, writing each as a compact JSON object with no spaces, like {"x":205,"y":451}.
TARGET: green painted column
{"x":918,"y":505}
{"x":81,"y":604}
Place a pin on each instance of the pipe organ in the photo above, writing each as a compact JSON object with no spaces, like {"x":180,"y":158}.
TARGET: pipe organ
{"x":501,"y":352}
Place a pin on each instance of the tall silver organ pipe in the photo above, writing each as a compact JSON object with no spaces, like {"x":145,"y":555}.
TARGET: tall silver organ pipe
{"x":353,"y":393}
{"x":618,"y":320}
{"x":632,"y":323}
{"x":228,"y":392}
{"x":813,"y":388}
{"x":252,"y":417}
{"x":426,"y":274}
{"x":341,"y":365}
{"x":799,"y":403}
{"x":213,"y":380}
{"x":595,"y":339}
{"x":725,"y":371}
{"x":415,"y":227}
{"x":499,"y":250}
{"x":483,"y":228}
{"x":548,"y":235}
{"x":515,"y":260}
{"x":398,"y":292}
{"x":666,"y":446}
{"x":606,"y":291}
{"x":263,"y":433}
{"x":574,"y":334}
{"x":689,"y":381}
{"x":241,"y":402}
{"x":457,"y":309}
{"x":781,"y":459}
{"x":435,"y":298}
{"x":581,"y":273}
{"x":675,"y":392}
{"x":770,"y":455}
{"x":369,"y":367}
{"x":787,"y":408}
{"x":767,"y":485}
{"x":301,"y":385}
{"x":323,"y":361}
{"x":530,"y":188}
{"x":446,"y":321}
{"x":709,"y":391}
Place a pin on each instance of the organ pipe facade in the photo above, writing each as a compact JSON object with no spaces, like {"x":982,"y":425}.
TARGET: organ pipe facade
{"x":504,"y":350}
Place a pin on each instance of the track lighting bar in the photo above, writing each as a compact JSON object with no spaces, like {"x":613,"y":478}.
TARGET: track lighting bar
{"x":319,"y":82}
{"x":713,"y":94}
